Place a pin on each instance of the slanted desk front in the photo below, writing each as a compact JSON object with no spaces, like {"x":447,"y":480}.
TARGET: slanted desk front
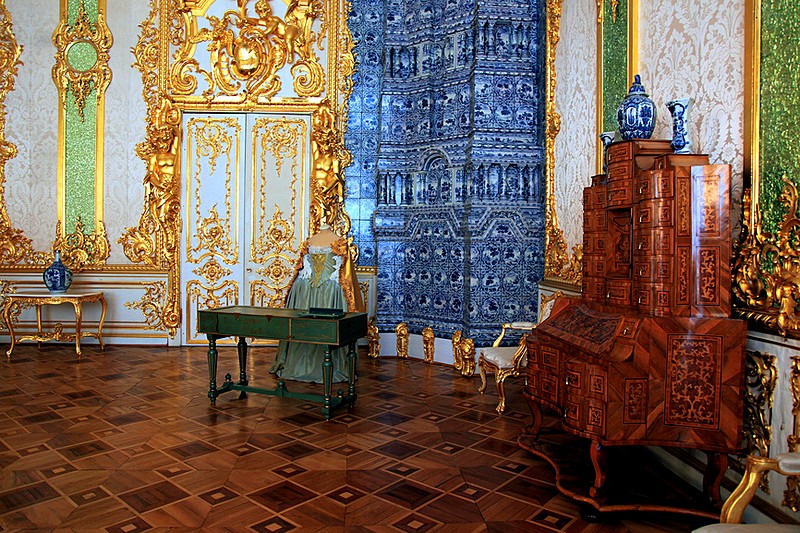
{"x":289,"y":325}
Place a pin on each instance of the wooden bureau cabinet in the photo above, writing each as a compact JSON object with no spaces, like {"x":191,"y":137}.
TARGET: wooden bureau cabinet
{"x":649,"y":354}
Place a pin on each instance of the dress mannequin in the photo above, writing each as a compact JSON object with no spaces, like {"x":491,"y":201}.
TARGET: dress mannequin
{"x":324,"y":277}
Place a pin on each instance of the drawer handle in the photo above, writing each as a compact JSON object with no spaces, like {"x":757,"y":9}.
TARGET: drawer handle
{"x":641,"y":218}
{"x":641,"y":245}
{"x":625,"y":331}
{"x":639,"y":300}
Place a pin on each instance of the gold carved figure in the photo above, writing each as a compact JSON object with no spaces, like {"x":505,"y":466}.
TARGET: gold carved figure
{"x":373,"y":338}
{"x":427,"y":344}
{"x":401,"y":330}
{"x":329,"y":158}
{"x":463,"y":354}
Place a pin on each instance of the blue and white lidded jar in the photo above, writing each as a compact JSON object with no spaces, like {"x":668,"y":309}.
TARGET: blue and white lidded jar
{"x":57,"y":276}
{"x":636,"y":113}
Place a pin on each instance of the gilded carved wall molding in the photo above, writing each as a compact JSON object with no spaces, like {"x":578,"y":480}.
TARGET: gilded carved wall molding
{"x":761,"y":377}
{"x":557,"y":261}
{"x":77,"y":45}
{"x":766,"y":270}
{"x":15,"y":247}
{"x":791,"y":496}
{"x":247,"y":48}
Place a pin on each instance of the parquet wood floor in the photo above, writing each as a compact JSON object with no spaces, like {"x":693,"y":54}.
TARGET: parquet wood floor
{"x":125,"y":440}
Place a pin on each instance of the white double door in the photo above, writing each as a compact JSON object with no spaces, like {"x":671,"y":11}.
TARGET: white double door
{"x":245,"y":201}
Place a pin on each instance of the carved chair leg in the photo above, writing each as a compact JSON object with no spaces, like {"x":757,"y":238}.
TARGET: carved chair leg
{"x":501,"y":393}
{"x":482,"y":369}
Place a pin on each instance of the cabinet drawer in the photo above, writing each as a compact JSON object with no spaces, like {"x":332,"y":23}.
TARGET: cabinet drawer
{"x":654,"y":242}
{"x":594,"y":243}
{"x":654,"y":299}
{"x":656,"y":213}
{"x":655,"y":184}
{"x":623,"y":170}
{"x":620,"y":152}
{"x":593,"y":288}
{"x":658,"y":269}
{"x":618,"y":291}
{"x":620,"y":193}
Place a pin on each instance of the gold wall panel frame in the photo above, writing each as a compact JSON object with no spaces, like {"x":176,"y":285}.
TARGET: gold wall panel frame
{"x":154,"y":242}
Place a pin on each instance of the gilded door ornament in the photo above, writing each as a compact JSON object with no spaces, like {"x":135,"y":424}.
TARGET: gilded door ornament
{"x":427,"y":344}
{"x":330,"y":158}
{"x":82,"y":57}
{"x":766,"y":269}
{"x":169,"y":80}
{"x":155,"y":241}
{"x":246,"y":53}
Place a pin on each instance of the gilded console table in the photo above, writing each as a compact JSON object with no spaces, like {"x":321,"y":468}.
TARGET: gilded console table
{"x":40,"y":298}
{"x":283,"y":324}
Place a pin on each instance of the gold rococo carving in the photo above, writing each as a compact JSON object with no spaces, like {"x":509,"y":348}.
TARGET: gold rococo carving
{"x":80,"y":250}
{"x":766,"y":270}
{"x":81,"y":82}
{"x":246,"y":53}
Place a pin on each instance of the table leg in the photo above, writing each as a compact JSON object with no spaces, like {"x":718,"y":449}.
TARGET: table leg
{"x":242,"y":348}
{"x":39,"y":324}
{"x":9,"y":324}
{"x":327,"y":378}
{"x":212,"y":368}
{"x":77,"y":306}
{"x":353,"y":366}
{"x":599,"y":457}
{"x":717,"y":464}
{"x":102,"y":320}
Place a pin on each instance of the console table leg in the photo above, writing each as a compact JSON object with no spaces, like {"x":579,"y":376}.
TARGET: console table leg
{"x":9,"y":325}
{"x":717,"y":464}
{"x":39,"y":331}
{"x":327,"y":378}
{"x":242,"y":349}
{"x":212,"y":369}
{"x":599,"y":458}
{"x":78,"y":319}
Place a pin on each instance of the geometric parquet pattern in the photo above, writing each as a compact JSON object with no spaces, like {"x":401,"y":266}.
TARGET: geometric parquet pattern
{"x":125,"y":440}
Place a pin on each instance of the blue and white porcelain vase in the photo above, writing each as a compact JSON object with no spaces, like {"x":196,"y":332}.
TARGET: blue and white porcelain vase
{"x":57,"y":276}
{"x":636,"y":113}
{"x":679,"y":109}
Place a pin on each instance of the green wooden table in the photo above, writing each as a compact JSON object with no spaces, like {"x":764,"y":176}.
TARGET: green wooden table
{"x":283,"y":324}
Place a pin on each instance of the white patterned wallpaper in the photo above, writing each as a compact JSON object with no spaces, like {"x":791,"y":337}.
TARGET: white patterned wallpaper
{"x":125,"y":127}
{"x":32,"y":124}
{"x":575,"y":100}
{"x":696,"y":49}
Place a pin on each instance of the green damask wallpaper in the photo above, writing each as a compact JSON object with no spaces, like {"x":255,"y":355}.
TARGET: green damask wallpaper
{"x":615,"y":61}
{"x":780,"y":105}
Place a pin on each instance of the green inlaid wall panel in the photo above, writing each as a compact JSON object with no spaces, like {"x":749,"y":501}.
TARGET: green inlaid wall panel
{"x":80,"y":130}
{"x":81,"y":146}
{"x":780,"y":105}
{"x":615,"y":61}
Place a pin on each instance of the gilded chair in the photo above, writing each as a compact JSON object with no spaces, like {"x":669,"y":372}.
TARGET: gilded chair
{"x":730,"y":518}
{"x":504,"y":361}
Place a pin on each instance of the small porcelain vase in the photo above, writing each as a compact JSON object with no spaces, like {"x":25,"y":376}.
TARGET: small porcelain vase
{"x":607,"y":137}
{"x":57,"y":276}
{"x":679,"y":109}
{"x":636,"y":113}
